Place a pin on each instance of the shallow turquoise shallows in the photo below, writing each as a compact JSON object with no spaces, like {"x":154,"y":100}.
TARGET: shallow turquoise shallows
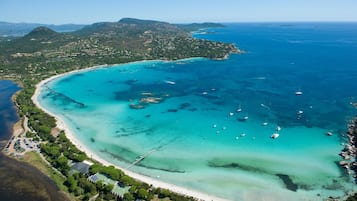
{"x":207,"y":125}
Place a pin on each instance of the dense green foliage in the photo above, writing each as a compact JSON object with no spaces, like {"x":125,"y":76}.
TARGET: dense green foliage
{"x":109,"y":171}
{"x":46,"y":51}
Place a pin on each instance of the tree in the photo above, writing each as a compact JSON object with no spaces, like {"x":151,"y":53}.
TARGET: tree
{"x":108,"y":188}
{"x":142,"y":194}
{"x":71,"y":183}
{"x":128,"y":197}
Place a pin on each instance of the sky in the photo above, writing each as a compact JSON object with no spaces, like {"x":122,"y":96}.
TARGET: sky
{"x":176,"y":11}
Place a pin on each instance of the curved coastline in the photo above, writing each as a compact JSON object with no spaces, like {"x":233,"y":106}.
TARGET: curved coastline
{"x":69,"y":134}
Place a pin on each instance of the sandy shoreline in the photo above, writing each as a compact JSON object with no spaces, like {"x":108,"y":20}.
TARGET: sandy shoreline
{"x":61,"y":125}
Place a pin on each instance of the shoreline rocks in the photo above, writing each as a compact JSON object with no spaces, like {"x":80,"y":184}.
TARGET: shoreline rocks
{"x":349,"y":152}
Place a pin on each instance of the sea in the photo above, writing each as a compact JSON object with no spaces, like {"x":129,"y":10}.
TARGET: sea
{"x":267,"y":124}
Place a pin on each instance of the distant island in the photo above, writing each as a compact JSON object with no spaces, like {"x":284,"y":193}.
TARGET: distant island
{"x":43,"y":53}
{"x":8,"y":29}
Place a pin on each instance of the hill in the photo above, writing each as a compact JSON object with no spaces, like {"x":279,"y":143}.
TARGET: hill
{"x":44,"y":49}
{"x":21,"y":29}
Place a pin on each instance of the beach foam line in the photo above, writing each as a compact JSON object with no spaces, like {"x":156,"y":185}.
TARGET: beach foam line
{"x":154,"y":182}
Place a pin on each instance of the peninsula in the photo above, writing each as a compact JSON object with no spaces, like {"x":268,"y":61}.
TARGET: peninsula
{"x":44,"y":53}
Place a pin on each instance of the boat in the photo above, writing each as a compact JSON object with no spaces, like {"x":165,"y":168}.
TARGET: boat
{"x":275,"y":135}
{"x":298,"y":93}
{"x":278,"y":128}
{"x":243,"y":118}
{"x":169,"y":82}
{"x":329,"y":133}
{"x":243,"y":135}
{"x":214,"y":126}
{"x":300,"y":112}
{"x":239,"y":108}
{"x":265,"y":123}
{"x":231,"y":114}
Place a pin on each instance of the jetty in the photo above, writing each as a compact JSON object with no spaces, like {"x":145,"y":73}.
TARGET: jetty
{"x":141,"y":158}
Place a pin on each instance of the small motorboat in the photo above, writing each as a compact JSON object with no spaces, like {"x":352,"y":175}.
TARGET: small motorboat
{"x":275,"y":135}
{"x":245,"y":118}
{"x":298,"y":93}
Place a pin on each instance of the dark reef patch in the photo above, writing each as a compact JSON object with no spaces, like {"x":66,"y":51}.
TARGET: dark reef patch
{"x":117,"y":157}
{"x":236,"y":166}
{"x":289,"y":184}
{"x":136,"y":132}
{"x":184,"y":106}
{"x":65,"y":99}
{"x":172,"y":110}
{"x":162,"y":169}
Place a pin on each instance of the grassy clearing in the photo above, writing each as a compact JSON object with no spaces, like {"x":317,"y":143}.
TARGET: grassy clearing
{"x":35,"y":159}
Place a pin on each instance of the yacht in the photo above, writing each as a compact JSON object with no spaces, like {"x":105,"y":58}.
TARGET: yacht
{"x":298,"y":93}
{"x":169,"y":82}
{"x":275,"y":135}
{"x":245,"y":118}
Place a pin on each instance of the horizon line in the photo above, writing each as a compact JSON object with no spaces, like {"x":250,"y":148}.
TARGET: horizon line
{"x":223,"y":22}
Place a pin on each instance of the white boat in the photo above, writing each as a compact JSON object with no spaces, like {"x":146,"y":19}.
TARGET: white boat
{"x":245,"y":118}
{"x":243,"y":135}
{"x":298,"y":93}
{"x":329,"y":133}
{"x":265,"y":123}
{"x":275,"y":135}
{"x":239,"y":108}
{"x":214,"y":126}
{"x":231,"y":114}
{"x":300,"y":112}
{"x":169,"y":82}
{"x":278,"y":128}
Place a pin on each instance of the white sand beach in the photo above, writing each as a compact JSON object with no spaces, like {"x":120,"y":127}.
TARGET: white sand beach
{"x":156,"y":183}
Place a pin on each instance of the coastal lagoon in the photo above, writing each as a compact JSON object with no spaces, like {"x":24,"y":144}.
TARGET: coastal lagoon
{"x":207,"y":124}
{"x":20,"y":181}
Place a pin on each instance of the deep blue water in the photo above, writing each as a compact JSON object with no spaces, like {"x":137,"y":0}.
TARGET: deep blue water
{"x":190,"y":137}
{"x":318,"y":59}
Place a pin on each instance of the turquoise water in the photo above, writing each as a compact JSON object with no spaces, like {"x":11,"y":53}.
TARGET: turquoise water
{"x":194,"y":136}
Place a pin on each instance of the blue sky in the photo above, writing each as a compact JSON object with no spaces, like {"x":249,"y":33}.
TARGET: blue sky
{"x":178,"y":11}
